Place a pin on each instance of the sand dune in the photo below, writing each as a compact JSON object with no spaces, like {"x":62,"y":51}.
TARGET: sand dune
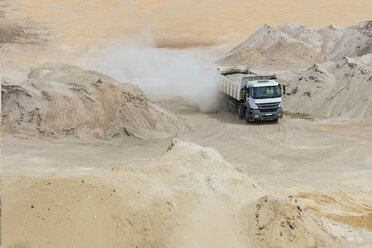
{"x":334,"y":89}
{"x":334,"y":42}
{"x":189,"y":197}
{"x":59,"y":100}
{"x":293,"y":45}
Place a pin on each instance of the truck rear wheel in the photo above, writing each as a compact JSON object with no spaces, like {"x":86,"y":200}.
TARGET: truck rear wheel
{"x":241,"y":111}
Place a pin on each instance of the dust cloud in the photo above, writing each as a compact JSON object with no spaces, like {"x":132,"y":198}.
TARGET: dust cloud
{"x":164,"y":72}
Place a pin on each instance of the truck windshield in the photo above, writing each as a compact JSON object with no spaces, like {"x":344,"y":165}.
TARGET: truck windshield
{"x":266,"y":92}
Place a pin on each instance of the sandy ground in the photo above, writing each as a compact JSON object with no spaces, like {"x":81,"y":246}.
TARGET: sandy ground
{"x":299,"y":147}
{"x":326,"y":163}
{"x":170,"y":202}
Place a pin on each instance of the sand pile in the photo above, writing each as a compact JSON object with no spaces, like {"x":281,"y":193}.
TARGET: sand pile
{"x":181,"y":199}
{"x":272,"y":222}
{"x":59,"y":100}
{"x":334,"y":42}
{"x":189,"y":197}
{"x":301,"y":46}
{"x":270,"y":47}
{"x":341,"y":205}
{"x":333,"y":89}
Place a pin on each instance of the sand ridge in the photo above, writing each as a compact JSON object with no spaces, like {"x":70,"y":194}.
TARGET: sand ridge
{"x":293,"y":45}
{"x":171,"y":202}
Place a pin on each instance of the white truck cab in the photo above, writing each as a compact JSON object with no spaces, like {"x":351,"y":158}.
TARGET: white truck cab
{"x":264,"y":100}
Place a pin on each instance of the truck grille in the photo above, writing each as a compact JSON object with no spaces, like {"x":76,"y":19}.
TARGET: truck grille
{"x":268,"y":107}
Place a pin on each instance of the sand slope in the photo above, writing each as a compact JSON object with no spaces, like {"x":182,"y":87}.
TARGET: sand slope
{"x":61,"y":100}
{"x":189,"y":197}
{"x":301,"y":46}
{"x":269,"y":46}
{"x":171,"y":202}
{"x":333,"y":89}
{"x":341,"y":206}
{"x":271,"y":222}
{"x":334,"y":42}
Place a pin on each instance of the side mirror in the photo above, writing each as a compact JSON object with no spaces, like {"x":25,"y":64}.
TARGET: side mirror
{"x":283,"y":89}
{"x":245,"y":91}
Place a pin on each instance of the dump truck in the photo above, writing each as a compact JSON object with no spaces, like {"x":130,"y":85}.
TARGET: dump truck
{"x":252,"y":96}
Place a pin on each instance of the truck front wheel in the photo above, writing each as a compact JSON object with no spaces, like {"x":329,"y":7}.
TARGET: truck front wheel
{"x":241,"y":111}
{"x":248,"y":118}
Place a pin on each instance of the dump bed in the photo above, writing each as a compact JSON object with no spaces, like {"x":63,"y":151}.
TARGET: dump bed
{"x":232,"y":85}
{"x":232,"y":80}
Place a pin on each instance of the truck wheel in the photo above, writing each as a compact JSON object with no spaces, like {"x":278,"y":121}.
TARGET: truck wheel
{"x":241,"y":111}
{"x":276,"y":120}
{"x":225,"y":106}
{"x":248,"y":117}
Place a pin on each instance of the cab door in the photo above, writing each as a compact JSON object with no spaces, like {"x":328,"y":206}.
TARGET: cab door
{"x":249,"y":97}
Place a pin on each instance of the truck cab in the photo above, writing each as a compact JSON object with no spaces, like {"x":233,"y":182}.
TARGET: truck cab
{"x":263,"y":100}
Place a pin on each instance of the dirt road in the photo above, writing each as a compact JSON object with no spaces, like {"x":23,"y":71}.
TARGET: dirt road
{"x":293,"y":153}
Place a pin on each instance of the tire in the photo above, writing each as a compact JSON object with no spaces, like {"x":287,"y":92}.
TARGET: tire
{"x":241,"y":111}
{"x":276,"y":120}
{"x":226,"y":106}
{"x":248,"y":117}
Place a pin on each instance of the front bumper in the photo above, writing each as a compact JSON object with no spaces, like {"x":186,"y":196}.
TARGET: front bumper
{"x":258,"y":115}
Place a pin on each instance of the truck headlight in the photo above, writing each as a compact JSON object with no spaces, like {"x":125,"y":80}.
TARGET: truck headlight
{"x":281,"y":105}
{"x":280,"y":114}
{"x":253,"y":106}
